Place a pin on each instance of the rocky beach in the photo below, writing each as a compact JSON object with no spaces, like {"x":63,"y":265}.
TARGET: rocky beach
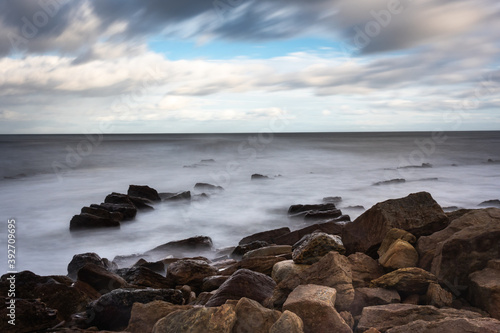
{"x":404,"y":265}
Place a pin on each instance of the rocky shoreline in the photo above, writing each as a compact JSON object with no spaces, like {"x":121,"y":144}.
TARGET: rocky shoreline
{"x":404,"y":265}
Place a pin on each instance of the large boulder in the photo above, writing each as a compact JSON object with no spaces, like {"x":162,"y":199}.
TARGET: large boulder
{"x":267,"y":236}
{"x":101,"y":279}
{"x":244,"y":283}
{"x":87,"y":221}
{"x":364,"y":269}
{"x":253,"y":317}
{"x":128,"y":211}
{"x":484,"y":289}
{"x":112,"y":310}
{"x":143,"y":317}
{"x":283,"y":269}
{"x":315,"y":305}
{"x":141,"y":276}
{"x":102,"y":213}
{"x":418,"y":213}
{"x":198,"y":320}
{"x":407,"y":281}
{"x":289,"y":322}
{"x":400,"y":254}
{"x":313,"y":247}
{"x":464,"y":247}
{"x":190,"y":272}
{"x":333,"y":270}
{"x":143,"y":191}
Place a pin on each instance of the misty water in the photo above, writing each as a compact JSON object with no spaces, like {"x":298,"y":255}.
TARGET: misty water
{"x":45,"y":180}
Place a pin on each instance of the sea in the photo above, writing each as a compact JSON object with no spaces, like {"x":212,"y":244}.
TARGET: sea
{"x":46,"y":179}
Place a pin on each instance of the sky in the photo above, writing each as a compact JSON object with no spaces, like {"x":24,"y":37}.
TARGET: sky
{"x":205,"y":66}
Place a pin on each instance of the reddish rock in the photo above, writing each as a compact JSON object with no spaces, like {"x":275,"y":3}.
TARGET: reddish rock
{"x":450,"y":325}
{"x":143,"y":317}
{"x":437,"y":296}
{"x":267,"y":236}
{"x":408,"y":281}
{"x":485,"y":289}
{"x":393,"y":235}
{"x":253,"y":317}
{"x":190,"y":272}
{"x":364,"y":269}
{"x":213,"y":282}
{"x":189,"y":245}
{"x":364,"y":297}
{"x":289,"y":322}
{"x":144,"y":277}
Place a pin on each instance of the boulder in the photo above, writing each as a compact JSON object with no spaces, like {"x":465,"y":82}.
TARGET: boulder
{"x":333,"y":270}
{"x":484,"y":289}
{"x":240,"y":250}
{"x":393,"y":235}
{"x":315,"y":305}
{"x":213,"y":282}
{"x":313,"y":247}
{"x":262,"y":265}
{"x":283,"y":269}
{"x":273,"y":250}
{"x":155,"y":266}
{"x":293,"y":237}
{"x":437,"y":296}
{"x":198,"y":320}
{"x":80,"y":260}
{"x":143,"y":191}
{"x":87,"y":221}
{"x":128,"y":211}
{"x":417,"y":213}
{"x":189,"y":245}
{"x":244,"y":283}
{"x":118,"y":198}
{"x":190,"y":272}
{"x":288,"y":322}
{"x":143,"y":317}
{"x":450,"y":325}
{"x":112,"y":310}
{"x":364,"y":297}
{"x":142,"y":276}
{"x":99,"y":212}
{"x":400,"y":254}
{"x":364,"y":269}
{"x":472,"y":242}
{"x":385,"y":317}
{"x":267,"y":236}
{"x":100,"y":279}
{"x":407,"y":281}
{"x":29,"y":315}
{"x":253,"y":317}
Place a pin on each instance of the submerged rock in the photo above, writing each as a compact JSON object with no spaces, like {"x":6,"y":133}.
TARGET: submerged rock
{"x":87,"y":221}
{"x":197,"y":243}
{"x":390,"y":182}
{"x":204,"y":187}
{"x":257,"y":176}
{"x":298,"y":209}
{"x":490,"y":203}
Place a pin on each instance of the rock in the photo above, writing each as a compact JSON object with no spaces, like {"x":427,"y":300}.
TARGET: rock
{"x":364,"y":297}
{"x":393,"y":235}
{"x":364,"y":269}
{"x":333,"y":200}
{"x":180,"y":196}
{"x":313,"y":247}
{"x":390,"y":182}
{"x":204,"y":187}
{"x":293,"y":237}
{"x":408,"y":281}
{"x":118,"y":198}
{"x":315,"y":305}
{"x":289,"y":322}
{"x":457,"y":213}
{"x":156,"y":266}
{"x":87,"y":221}
{"x":100,"y":279}
{"x":29,"y":315}
{"x":298,"y":209}
{"x":412,"y":299}
{"x":267,"y":236}
{"x":189,"y":245}
{"x":283,"y":269}
{"x":385,"y":317}
{"x":190,"y":272}
{"x":253,"y":317}
{"x":128,"y":211}
{"x":142,"y":276}
{"x":112,"y":310}
{"x":417,"y":213}
{"x":213,"y":282}
{"x":257,"y":176}
{"x":80,"y":260}
{"x":484,"y":289}
{"x":450,"y":325}
{"x":262,"y":265}
{"x":99,"y":212}
{"x":322,"y":215}
{"x":143,"y":191}
{"x":244,"y":283}
{"x":142,"y":203}
{"x":198,"y":320}
{"x":240,"y":250}
{"x":348,"y":318}
{"x":333,"y":270}
{"x":144,"y":316}
{"x":203,"y":298}
{"x":468,"y":249}
{"x":490,"y":203}
{"x":437,"y":296}
{"x":400,"y":254}
{"x":273,"y":250}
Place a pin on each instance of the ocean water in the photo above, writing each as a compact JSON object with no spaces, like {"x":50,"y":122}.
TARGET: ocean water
{"x":46,"y":179}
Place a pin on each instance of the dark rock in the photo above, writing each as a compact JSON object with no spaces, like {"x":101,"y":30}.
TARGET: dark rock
{"x":99,"y":212}
{"x":311,"y":248}
{"x":322,"y":215}
{"x":253,"y":317}
{"x":189,"y":272}
{"x":29,"y":315}
{"x":297,"y":209}
{"x":118,"y":198}
{"x":112,"y":310}
{"x":406,"y":281}
{"x":262,"y":265}
{"x":128,"y":211}
{"x":390,"y":182}
{"x":143,"y":317}
{"x":417,"y":213}
{"x":100,"y":279}
{"x":244,"y":283}
{"x":144,"y":277}
{"x":180,"y":196}
{"x":257,"y":176}
{"x":364,"y":269}
{"x":87,"y":221}
{"x":142,"y":203}
{"x":204,"y":187}
{"x":143,"y":192}
{"x":457,"y":213}
{"x":293,"y":237}
{"x":210,"y":160}
{"x":268,"y":236}
{"x":484,"y":289}
{"x":490,"y":203}
{"x":423,"y":165}
{"x":357,"y":207}
{"x":364,"y":297}
{"x":80,"y":260}
{"x":240,"y":250}
{"x":193,"y":244}
{"x":156,"y":266}
{"x":333,"y":200}
{"x":211,"y":283}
